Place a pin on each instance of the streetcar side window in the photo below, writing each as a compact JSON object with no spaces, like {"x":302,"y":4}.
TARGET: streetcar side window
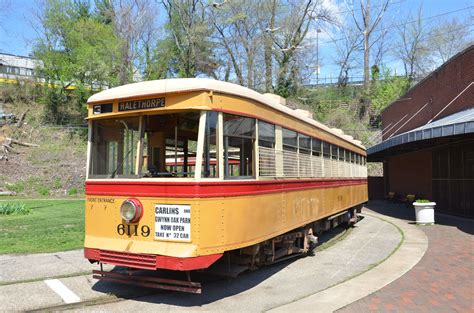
{"x":341,"y":154}
{"x":304,"y":156}
{"x":209,"y":158}
{"x":304,"y":144}
{"x":266,"y":134}
{"x":239,"y":138}
{"x":326,"y":150}
{"x":334,"y":152}
{"x":266,"y":150}
{"x":290,"y":153}
{"x":316,"y":147}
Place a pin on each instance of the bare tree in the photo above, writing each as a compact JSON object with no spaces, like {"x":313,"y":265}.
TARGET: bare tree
{"x":448,"y":38}
{"x":134,"y":23}
{"x":412,"y":46}
{"x":269,"y":14}
{"x":367,"y":23}
{"x":346,"y":51}
{"x":190,"y":50}
{"x":381,"y":46}
{"x":295,"y":20}
{"x":239,"y":33}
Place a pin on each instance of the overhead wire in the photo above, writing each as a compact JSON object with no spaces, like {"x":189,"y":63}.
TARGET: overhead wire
{"x":402,"y":24}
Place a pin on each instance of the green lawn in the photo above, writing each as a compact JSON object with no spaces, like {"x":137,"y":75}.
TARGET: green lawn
{"x":52,"y":225}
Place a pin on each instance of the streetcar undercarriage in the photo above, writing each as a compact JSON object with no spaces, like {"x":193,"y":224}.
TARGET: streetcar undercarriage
{"x":292,"y":244}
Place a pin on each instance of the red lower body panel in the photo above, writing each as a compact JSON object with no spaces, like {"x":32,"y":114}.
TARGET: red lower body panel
{"x":150,"y":261}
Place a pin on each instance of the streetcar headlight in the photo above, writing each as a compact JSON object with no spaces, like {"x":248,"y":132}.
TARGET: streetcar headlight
{"x":131,"y":210}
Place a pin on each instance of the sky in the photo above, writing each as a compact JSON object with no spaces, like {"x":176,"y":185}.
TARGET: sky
{"x":17,"y":31}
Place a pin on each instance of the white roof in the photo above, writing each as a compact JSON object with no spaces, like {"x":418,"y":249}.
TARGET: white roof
{"x":18,"y":61}
{"x":176,"y":85}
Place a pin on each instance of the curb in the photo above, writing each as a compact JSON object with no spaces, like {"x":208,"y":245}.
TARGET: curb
{"x":413,"y":246}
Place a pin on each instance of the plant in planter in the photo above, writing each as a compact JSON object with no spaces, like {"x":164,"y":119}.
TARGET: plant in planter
{"x":424,"y":211}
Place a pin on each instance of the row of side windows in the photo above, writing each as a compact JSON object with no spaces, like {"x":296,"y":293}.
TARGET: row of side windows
{"x":290,"y":154}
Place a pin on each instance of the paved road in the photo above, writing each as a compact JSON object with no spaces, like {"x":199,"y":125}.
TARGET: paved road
{"x":367,"y":245}
{"x":21,"y":267}
{"x":443,"y":281}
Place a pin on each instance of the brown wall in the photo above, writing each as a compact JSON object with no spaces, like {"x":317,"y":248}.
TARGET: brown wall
{"x":376,"y":187}
{"x":438,"y":89}
{"x":411,"y":173}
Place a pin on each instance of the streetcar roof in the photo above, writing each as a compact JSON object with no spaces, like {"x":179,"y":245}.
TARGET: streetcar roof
{"x":180,"y":85}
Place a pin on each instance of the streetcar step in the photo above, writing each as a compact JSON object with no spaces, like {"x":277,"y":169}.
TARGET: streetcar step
{"x":148,"y":281}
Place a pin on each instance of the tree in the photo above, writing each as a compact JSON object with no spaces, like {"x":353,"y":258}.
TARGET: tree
{"x":134,"y":24}
{"x":412,"y":46}
{"x":187,"y":48}
{"x":243,"y":37}
{"x":384,"y":91}
{"x":366,"y":24}
{"x":448,"y":38}
{"x":270,"y":16}
{"x":77,"y":53}
{"x":294,"y":20}
{"x":345,"y":56}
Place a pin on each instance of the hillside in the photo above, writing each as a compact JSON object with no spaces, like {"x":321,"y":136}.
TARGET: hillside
{"x":56,"y":166}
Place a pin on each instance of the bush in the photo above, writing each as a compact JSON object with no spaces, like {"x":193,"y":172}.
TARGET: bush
{"x":72,"y":192}
{"x":422,"y":201}
{"x":44,"y":191}
{"x":13,"y":208}
{"x":17,"y":187}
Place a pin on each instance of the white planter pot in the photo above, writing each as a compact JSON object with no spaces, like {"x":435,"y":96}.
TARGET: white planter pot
{"x":424,"y":212}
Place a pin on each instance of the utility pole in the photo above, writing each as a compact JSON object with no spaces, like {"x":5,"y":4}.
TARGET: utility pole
{"x":317,"y":55}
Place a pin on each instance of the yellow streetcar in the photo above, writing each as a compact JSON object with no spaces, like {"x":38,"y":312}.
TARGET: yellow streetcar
{"x":183,"y":171}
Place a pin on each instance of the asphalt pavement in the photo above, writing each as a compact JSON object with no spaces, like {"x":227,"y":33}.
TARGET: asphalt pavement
{"x":376,"y":252}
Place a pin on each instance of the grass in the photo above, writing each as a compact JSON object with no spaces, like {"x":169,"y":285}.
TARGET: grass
{"x":51,"y":226}
{"x":15,"y":208}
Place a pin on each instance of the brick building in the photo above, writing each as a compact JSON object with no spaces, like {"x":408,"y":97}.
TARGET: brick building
{"x":428,"y":138}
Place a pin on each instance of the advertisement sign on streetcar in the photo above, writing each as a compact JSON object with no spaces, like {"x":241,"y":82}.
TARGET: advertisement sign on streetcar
{"x":173,"y":222}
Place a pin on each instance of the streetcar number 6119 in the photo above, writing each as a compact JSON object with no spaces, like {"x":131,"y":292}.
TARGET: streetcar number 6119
{"x":133,"y":230}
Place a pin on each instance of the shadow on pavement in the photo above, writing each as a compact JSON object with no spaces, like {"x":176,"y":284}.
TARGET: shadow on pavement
{"x":214,"y":288}
{"x":401,"y":211}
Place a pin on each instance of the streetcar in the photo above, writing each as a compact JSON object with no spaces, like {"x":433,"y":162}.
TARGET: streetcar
{"x":181,"y":172}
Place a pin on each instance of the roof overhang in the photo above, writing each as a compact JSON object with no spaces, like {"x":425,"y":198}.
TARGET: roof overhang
{"x":453,"y":127}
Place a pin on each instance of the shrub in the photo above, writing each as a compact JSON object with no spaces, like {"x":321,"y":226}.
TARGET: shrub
{"x":17,"y":187}
{"x":44,"y":191}
{"x":422,"y":201}
{"x":13,"y":208}
{"x":72,"y":192}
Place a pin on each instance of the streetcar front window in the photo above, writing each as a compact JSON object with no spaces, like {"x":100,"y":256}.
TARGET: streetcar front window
{"x":170,"y":145}
{"x":153,"y":146}
{"x":114,"y":148}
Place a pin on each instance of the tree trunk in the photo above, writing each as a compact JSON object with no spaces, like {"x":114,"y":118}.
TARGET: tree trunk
{"x":268,"y":51}
{"x":366,"y":62}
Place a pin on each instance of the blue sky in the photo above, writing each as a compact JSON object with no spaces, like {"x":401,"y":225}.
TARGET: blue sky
{"x":17,"y":33}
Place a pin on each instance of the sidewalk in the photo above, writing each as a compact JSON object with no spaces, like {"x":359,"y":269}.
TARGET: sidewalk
{"x":16,"y":268}
{"x":443,"y":281}
{"x":409,"y":253}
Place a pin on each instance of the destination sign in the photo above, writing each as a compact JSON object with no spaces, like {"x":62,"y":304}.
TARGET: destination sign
{"x":173,"y":222}
{"x":141,"y":104}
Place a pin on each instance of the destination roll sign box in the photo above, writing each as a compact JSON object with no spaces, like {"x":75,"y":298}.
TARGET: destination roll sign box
{"x":141,"y":104}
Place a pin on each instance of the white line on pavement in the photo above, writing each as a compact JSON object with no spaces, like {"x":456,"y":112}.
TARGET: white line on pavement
{"x":64,"y":292}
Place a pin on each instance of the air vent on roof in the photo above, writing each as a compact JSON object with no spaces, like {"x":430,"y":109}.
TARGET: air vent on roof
{"x":275,"y":98}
